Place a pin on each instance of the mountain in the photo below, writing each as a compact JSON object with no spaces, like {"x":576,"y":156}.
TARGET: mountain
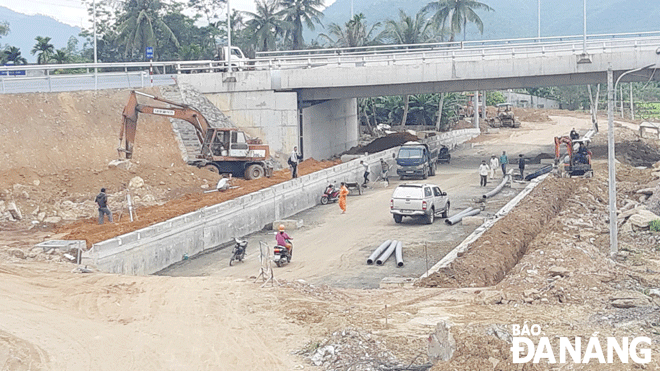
{"x":24,"y":28}
{"x":517,"y":18}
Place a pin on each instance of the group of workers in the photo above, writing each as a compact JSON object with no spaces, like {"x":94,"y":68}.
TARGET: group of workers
{"x":487,"y":170}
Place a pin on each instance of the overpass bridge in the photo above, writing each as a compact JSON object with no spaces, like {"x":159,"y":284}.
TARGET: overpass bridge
{"x":305,"y":95}
{"x":296,"y":97}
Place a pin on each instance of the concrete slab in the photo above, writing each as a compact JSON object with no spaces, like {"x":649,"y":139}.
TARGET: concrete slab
{"x":547,"y":161}
{"x":64,"y":245}
{"x":473,"y":220}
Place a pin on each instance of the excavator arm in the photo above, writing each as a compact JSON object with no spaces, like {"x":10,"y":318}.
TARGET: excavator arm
{"x":176,"y":110}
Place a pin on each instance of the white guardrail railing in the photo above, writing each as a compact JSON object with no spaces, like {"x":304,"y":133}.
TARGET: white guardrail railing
{"x":65,"y":77}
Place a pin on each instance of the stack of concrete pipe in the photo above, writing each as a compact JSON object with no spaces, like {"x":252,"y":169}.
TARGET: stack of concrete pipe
{"x":385,"y":250}
{"x":458,"y":217}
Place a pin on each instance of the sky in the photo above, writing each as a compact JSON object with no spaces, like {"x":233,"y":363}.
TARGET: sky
{"x":74,"y":13}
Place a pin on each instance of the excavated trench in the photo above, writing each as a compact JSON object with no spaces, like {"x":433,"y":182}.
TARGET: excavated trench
{"x":501,"y":247}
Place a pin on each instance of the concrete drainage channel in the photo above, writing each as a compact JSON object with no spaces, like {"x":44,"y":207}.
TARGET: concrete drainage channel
{"x":393,"y":282}
{"x":154,"y":248}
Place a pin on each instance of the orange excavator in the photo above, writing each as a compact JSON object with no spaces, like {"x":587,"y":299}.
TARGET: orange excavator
{"x":223,"y":150}
{"x":579,"y":157}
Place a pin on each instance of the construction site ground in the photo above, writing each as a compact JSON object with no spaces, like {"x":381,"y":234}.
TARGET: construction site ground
{"x":559,"y":273}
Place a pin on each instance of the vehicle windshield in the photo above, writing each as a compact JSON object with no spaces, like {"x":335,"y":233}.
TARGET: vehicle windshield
{"x":410,"y":153}
{"x":407,"y":192}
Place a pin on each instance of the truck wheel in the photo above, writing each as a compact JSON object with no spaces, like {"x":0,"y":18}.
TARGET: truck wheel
{"x":426,"y":174}
{"x":446,"y":212}
{"x":212,"y":168}
{"x":397,"y":218}
{"x":431,"y":217}
{"x":254,"y":172}
{"x":432,"y":170}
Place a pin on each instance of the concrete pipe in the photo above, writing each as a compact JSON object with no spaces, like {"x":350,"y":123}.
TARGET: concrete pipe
{"x":378,"y":251}
{"x":458,"y":217}
{"x":448,"y":220}
{"x":497,"y":189}
{"x":398,"y":254}
{"x":469,"y":213}
{"x":386,"y":255}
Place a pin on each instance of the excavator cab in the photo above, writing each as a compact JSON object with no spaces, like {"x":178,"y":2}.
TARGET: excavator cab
{"x":577,"y":161}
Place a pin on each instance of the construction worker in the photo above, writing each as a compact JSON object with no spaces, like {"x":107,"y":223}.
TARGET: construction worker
{"x":102,"y":201}
{"x":504,"y":160}
{"x":483,"y":172}
{"x":384,"y":168}
{"x":366,"y":173}
{"x":293,"y":162}
{"x":521,"y":166}
{"x":224,"y":184}
{"x":494,"y":164}
{"x":283,"y":239}
{"x":343,"y":192}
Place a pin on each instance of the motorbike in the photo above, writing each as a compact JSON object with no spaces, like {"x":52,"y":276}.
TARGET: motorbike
{"x":238,"y":254}
{"x":282,"y":255}
{"x":331,"y":194}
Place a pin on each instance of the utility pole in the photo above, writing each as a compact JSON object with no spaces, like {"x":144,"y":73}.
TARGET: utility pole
{"x":476,"y":109}
{"x":632,"y":107}
{"x":96,"y":77}
{"x":584,"y":39}
{"x":538,"y":34}
{"x":621,"y":98}
{"x":229,"y":36}
{"x":610,"y":161}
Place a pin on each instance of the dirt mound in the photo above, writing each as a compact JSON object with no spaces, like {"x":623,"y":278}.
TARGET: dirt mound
{"x":383,"y":143}
{"x":531,"y":115}
{"x":88,"y":229}
{"x":500,"y":248}
{"x":632,"y":152}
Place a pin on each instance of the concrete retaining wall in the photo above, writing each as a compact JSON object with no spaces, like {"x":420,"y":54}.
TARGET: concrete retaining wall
{"x":154,"y":248}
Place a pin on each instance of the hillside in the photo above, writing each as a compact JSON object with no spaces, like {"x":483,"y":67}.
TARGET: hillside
{"x":24,"y":28}
{"x":516,"y":19}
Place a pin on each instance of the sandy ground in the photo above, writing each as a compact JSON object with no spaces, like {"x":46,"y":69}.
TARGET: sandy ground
{"x":53,"y":319}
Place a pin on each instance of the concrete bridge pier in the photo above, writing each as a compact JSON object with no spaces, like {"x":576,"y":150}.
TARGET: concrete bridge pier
{"x":328,"y":127}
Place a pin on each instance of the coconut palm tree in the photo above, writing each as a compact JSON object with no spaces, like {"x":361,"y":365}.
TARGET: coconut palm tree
{"x":138,"y":25}
{"x":297,"y":13}
{"x":354,"y":33}
{"x":265,"y":25}
{"x":457,"y":13}
{"x":61,"y":56}
{"x":13,"y":54}
{"x":408,"y":31}
{"x":44,"y":49}
{"x":4,"y":28}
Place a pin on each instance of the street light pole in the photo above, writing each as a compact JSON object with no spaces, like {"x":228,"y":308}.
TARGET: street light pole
{"x":96,"y":77}
{"x":228,"y":37}
{"x":584,"y":39}
{"x":610,"y":161}
{"x":538,"y":34}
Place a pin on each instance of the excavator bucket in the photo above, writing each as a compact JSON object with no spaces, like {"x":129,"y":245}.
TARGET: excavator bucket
{"x":129,"y":125}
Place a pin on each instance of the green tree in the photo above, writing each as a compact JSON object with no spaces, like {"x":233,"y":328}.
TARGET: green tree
{"x":43,"y":48}
{"x":355,"y":33}
{"x":408,"y":30}
{"x":13,"y":54}
{"x":4,"y":28}
{"x":299,"y":13}
{"x":141,"y":24}
{"x":265,"y":25}
{"x":61,"y":56}
{"x":457,"y":13}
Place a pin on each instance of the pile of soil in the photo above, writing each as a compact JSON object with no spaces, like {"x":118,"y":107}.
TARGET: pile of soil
{"x":89,"y":230}
{"x":501,"y":247}
{"x":631,"y":152}
{"x":383,"y":143}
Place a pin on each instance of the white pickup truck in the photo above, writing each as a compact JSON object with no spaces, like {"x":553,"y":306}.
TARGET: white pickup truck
{"x":419,"y":200}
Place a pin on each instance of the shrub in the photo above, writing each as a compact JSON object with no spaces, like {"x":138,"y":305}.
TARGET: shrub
{"x":655,"y":225}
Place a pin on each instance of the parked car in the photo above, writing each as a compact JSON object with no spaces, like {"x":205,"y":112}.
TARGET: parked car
{"x":420,"y":201}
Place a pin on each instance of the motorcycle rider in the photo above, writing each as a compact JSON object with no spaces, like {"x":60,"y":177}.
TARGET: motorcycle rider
{"x":282,"y":238}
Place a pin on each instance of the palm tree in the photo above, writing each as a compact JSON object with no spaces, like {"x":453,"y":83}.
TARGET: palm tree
{"x":4,"y":28}
{"x":354,"y":33}
{"x":297,"y":12}
{"x":44,"y":48}
{"x":61,"y":56}
{"x":408,"y":31}
{"x":138,"y":25}
{"x":265,"y":25}
{"x":458,"y":13}
{"x":13,"y":54}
